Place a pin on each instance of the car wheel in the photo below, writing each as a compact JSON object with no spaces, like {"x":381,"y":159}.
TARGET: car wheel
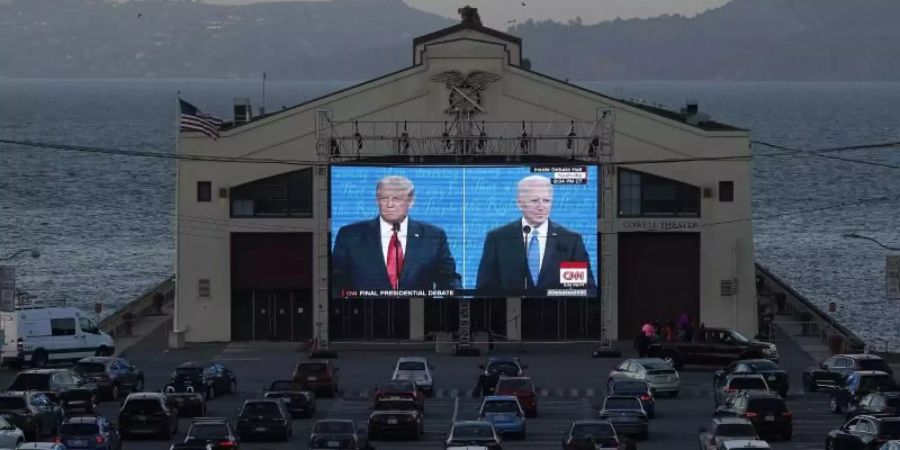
{"x":211,"y":393}
{"x":39,"y":358}
{"x":139,"y":387}
{"x":103,"y":351}
{"x":808,"y":384}
{"x":114,"y":392}
{"x":609,"y":384}
{"x":833,"y":405}
{"x":829,"y":444}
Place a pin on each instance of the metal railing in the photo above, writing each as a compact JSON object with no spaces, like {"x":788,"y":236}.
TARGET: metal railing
{"x":122,"y":321}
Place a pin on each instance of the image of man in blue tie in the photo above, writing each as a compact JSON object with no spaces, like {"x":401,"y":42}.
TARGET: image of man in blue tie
{"x":525,"y":254}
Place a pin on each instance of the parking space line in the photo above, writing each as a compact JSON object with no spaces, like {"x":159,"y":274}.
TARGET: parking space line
{"x":545,"y":392}
{"x":589,"y":392}
{"x":573,"y":392}
{"x":559,"y":392}
{"x":439,"y":393}
{"x":454,"y":393}
{"x":469,"y":392}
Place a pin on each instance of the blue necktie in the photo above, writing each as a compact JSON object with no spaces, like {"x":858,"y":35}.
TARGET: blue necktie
{"x":534,"y":257}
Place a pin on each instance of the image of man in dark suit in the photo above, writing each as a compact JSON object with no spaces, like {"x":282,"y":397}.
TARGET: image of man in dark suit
{"x":392,"y":251}
{"x":526,"y":253}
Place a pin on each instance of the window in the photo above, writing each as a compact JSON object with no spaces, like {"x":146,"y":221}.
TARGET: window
{"x":285,"y":195}
{"x":645,"y":195}
{"x":63,"y":327}
{"x":87,"y":326}
{"x":726,"y":191}
{"x":204,"y":191}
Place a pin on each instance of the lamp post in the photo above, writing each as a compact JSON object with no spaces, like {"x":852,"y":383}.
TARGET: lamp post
{"x":34,"y":254}
{"x":859,"y":236}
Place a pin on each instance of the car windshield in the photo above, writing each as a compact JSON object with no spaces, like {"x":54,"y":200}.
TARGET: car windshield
{"x":397,"y":386}
{"x":334,"y":428}
{"x":312,"y":368}
{"x":876,"y":381}
{"x":411,"y":365}
{"x":655,"y":364}
{"x":763,"y":365}
{"x":285,"y":386}
{"x":208,"y":431}
{"x":504,"y":368}
{"x":622,"y":403}
{"x":874,"y":364}
{"x":515,"y":384}
{"x":890,"y":429}
{"x":737,"y":336}
{"x":500,"y":406}
{"x":31,"y":382}
{"x":395,"y":405}
{"x":630,"y":386}
{"x":79,"y":429}
{"x":747,"y":383}
{"x":767,"y":405}
{"x":7,"y":403}
{"x":592,"y":429}
{"x":89,"y":367}
{"x":470,"y":431}
{"x":265,"y":409}
{"x":142,"y":405}
{"x":735,"y":429}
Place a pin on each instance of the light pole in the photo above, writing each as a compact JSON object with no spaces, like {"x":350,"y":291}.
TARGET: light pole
{"x":34,"y":254}
{"x":859,"y":236}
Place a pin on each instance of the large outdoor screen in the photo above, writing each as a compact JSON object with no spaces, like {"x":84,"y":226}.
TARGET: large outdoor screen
{"x":475,"y":231}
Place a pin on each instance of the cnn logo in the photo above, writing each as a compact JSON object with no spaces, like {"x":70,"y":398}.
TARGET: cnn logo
{"x":573,"y":273}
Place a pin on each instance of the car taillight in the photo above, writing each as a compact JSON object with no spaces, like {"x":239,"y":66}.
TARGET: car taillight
{"x":730,"y":390}
{"x":750,"y":415}
{"x":226,"y":444}
{"x":20,"y":344}
{"x":786,"y":414}
{"x":100,"y":440}
{"x":57,"y":439}
{"x":645,"y":397}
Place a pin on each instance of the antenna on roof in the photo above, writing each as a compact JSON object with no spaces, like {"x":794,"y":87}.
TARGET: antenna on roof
{"x":262,"y":109}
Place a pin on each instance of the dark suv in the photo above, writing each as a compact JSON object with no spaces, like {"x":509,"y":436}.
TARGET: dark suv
{"x":834,"y":370}
{"x":89,"y":432}
{"x":209,"y":433}
{"x":776,"y":377}
{"x":864,"y":432}
{"x":299,"y":401}
{"x":210,"y":379}
{"x":113,"y":377}
{"x":767,"y":412}
{"x":147,"y":413}
{"x":62,"y":386}
{"x":265,"y":418}
{"x":858,"y":385}
{"x":32,"y":412}
{"x":320,"y":376}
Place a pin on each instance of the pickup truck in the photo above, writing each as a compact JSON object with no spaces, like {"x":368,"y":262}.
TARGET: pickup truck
{"x":712,"y":346}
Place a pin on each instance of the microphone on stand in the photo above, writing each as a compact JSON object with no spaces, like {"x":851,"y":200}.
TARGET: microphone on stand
{"x":526,"y":230}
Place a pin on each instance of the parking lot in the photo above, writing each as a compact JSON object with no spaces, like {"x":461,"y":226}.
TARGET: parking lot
{"x":568,"y":381}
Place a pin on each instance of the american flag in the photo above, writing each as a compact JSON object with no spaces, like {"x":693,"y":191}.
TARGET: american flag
{"x":192,"y":119}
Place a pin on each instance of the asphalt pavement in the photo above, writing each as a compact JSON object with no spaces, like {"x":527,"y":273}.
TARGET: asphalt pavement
{"x":569,"y":383}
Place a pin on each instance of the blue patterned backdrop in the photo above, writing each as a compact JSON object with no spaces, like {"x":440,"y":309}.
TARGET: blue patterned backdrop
{"x":467,"y":202}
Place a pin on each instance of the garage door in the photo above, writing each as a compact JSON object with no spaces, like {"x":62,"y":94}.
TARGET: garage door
{"x":659,"y":279}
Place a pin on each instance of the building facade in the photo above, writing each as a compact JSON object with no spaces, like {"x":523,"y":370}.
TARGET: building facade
{"x":253,"y":237}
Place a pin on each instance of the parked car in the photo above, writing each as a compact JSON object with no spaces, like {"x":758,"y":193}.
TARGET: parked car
{"x":740,"y":444}
{"x":89,"y":432}
{"x":320,"y":376}
{"x":340,"y":434}
{"x":114,"y":377}
{"x":400,"y":388}
{"x":41,"y":446}
{"x":581,"y":432}
{"x":768,"y":413}
{"x":418,"y":370}
{"x":635,"y":388}
{"x":10,"y":435}
{"x":776,"y":378}
{"x":662,"y":377}
{"x":212,"y":378}
{"x":884,"y":403}
{"x":891,"y":445}
{"x":210,"y":433}
{"x":62,"y":386}
{"x":857,"y":385}
{"x":734,"y":384}
{"x":833,"y":371}
{"x":32,"y":412}
{"x":505,"y":413}
{"x":396,"y":416}
{"x":626,"y":414}
{"x":495,"y":367}
{"x":722,"y":429}
{"x":523,"y":389}
{"x":471,"y":433}
{"x":299,"y":400}
{"x":864,"y":432}
{"x":187,"y":401}
{"x":147,"y":413}
{"x":264,"y":418}
{"x":43,"y":335}
{"x":715,"y":346}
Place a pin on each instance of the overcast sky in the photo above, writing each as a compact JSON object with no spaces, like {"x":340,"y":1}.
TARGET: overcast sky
{"x":499,"y":13}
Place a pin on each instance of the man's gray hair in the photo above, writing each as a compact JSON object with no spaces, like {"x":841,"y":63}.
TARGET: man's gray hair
{"x":397,"y":182}
{"x":532,"y":180}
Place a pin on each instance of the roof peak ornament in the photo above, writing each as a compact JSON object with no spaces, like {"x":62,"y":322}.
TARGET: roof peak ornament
{"x":465,"y":90}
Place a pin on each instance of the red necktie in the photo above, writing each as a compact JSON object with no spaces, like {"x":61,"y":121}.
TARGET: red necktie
{"x":394,"y":261}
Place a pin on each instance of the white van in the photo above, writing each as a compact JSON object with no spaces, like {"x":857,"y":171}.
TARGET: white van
{"x":40,"y":335}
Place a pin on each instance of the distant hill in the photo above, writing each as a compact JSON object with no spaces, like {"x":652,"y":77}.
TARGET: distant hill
{"x":360,"y":39}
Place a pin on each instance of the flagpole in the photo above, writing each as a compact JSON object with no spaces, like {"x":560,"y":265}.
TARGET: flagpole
{"x":263,"y":97}
{"x":175,"y":322}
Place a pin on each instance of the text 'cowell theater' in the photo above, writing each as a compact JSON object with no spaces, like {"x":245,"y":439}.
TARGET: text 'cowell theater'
{"x":463,"y":193}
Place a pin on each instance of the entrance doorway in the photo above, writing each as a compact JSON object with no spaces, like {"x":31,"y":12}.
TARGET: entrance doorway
{"x":368,"y":319}
{"x":271,"y":316}
{"x":561,"y":318}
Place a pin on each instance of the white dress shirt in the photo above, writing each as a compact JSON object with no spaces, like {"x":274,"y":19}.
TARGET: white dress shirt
{"x":387,"y":231}
{"x":542,"y":240}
